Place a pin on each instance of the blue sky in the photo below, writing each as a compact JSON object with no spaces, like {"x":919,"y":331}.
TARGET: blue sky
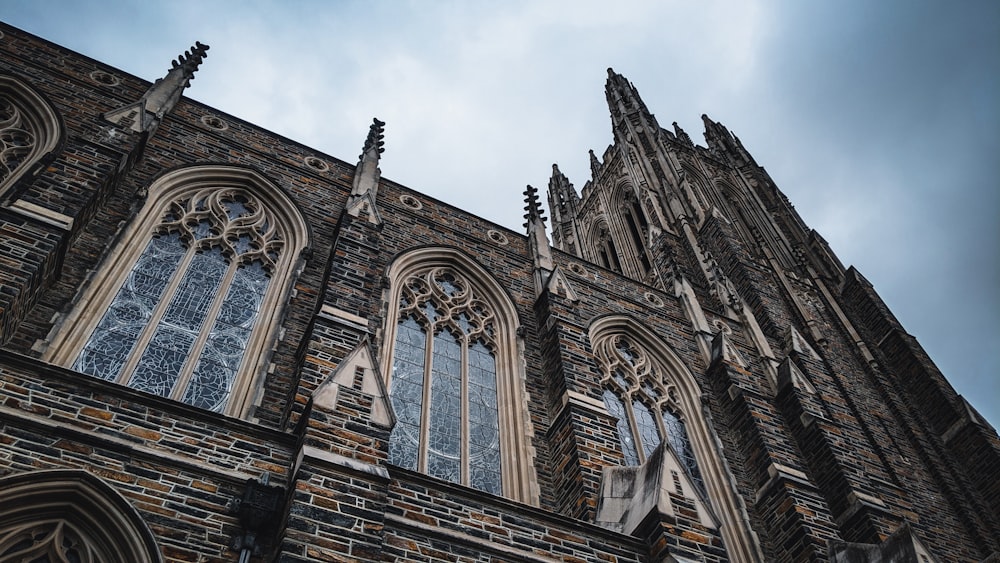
{"x":879,"y":120}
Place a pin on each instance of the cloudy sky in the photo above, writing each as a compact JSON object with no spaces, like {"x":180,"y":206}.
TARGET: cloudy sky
{"x":879,"y":120}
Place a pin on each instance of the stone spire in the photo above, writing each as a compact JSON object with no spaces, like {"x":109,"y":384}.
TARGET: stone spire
{"x":367,"y":174}
{"x":622,"y":95}
{"x":627,"y":109}
{"x":163,"y":95}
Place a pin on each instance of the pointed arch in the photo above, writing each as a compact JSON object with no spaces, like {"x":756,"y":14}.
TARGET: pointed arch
{"x":191,"y":297}
{"x":29,"y":130}
{"x":455,"y":374}
{"x":658,"y":379}
{"x":51,"y":512}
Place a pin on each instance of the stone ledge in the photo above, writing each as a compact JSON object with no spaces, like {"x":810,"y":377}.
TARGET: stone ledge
{"x":43,"y":214}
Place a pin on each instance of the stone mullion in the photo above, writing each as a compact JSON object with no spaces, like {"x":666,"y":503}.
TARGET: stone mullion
{"x":425,"y":407}
{"x":464,"y":458}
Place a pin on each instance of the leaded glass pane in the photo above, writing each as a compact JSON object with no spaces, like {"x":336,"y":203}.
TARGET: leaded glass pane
{"x":649,"y":434}
{"x":445,"y":424}
{"x":678,"y":439}
{"x":484,"y":427}
{"x":162,"y":360}
{"x":212,"y":380}
{"x":431,"y":311}
{"x":407,"y":393}
{"x":617,"y":410}
{"x":119,"y":329}
{"x":236,"y":207}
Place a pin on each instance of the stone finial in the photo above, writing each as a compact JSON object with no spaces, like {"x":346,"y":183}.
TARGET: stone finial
{"x":375,"y":143}
{"x":146,"y":113}
{"x":191,"y":60}
{"x":532,"y":209}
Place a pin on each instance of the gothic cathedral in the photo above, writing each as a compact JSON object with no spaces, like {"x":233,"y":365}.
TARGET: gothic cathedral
{"x":221,"y":345}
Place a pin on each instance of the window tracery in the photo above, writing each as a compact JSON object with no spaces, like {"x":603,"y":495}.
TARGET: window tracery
{"x":456,"y":376}
{"x":186,"y":306}
{"x":181,"y":321}
{"x":54,"y":541}
{"x":644,"y":403}
{"x":638,"y":366}
{"x":446,"y":408}
{"x":16,"y":138}
{"x":70,"y":516}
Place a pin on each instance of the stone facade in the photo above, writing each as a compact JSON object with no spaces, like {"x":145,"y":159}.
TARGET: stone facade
{"x":686,"y":373}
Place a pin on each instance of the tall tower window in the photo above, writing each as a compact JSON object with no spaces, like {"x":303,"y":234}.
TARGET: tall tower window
{"x":637,"y":239}
{"x":606,"y":251}
{"x":455,"y":383}
{"x":185,"y":308}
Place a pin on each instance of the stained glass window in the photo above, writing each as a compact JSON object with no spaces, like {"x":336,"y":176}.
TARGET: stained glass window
{"x":644,"y":405}
{"x":181,"y":321}
{"x":444,"y":382}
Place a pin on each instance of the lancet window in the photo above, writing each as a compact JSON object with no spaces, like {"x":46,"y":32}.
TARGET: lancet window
{"x":455,"y":375}
{"x":645,"y":405}
{"x":28,"y":129}
{"x":186,"y":306}
{"x":635,"y":222}
{"x":444,"y":382}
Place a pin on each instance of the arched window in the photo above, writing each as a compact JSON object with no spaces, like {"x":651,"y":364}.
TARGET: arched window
{"x":69,"y":515}
{"x":652,"y":394}
{"x":637,"y":230}
{"x":645,"y":404}
{"x":29,"y":129}
{"x":187,"y":305}
{"x":454,"y":381}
